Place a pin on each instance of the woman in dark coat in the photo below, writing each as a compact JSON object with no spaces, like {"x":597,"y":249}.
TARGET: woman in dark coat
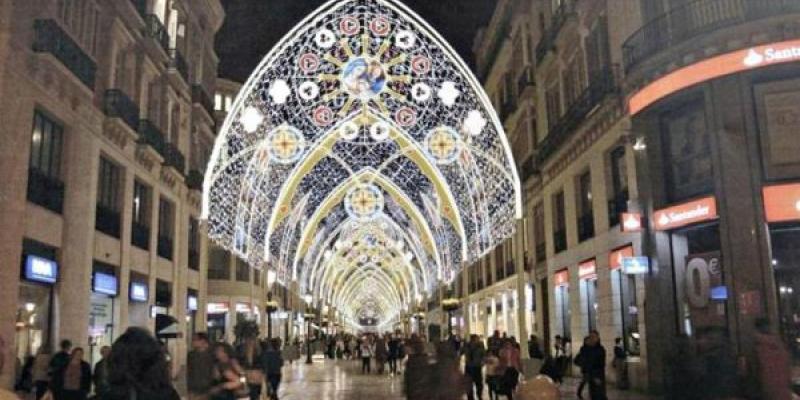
{"x":138,"y":369}
{"x":74,"y":380}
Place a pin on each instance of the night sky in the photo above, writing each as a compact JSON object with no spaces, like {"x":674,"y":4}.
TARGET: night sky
{"x":252,"y":27}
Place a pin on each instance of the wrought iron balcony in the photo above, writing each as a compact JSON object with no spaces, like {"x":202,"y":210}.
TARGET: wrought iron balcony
{"x":149,"y":134}
{"x":155,"y":30}
{"x":616,"y":206}
{"x":174,"y":158}
{"x":107,"y":220}
{"x":549,"y":36}
{"x":560,"y":240}
{"x":178,"y":63}
{"x":140,"y":235}
{"x":585,"y":227}
{"x":45,"y":191}
{"x":601,"y":84}
{"x":164,"y":249}
{"x":695,"y":18}
{"x":50,"y":38}
{"x":117,"y":104}
{"x":200,"y":96}
{"x":194,"y":180}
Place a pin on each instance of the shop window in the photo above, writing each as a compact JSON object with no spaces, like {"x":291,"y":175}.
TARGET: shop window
{"x":559,"y":222}
{"x":109,"y":182}
{"x":45,"y":187}
{"x":786,"y":264}
{"x":34,"y":313}
{"x":166,"y":224}
{"x":563,"y":312}
{"x":590,"y":291}
{"x":140,"y":226}
{"x":687,"y":153}
{"x":242,"y":271}
{"x":584,"y":204}
{"x":779,"y":122}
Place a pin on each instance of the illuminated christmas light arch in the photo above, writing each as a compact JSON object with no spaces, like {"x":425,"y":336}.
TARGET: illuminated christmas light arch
{"x":363,"y":160}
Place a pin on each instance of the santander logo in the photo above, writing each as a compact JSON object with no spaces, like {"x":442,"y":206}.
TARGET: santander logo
{"x":753,"y":58}
{"x":771,"y":54}
{"x":684,"y":214}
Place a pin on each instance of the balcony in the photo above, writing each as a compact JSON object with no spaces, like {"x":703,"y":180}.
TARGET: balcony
{"x":560,"y":240}
{"x":45,"y":191}
{"x":681,"y":24}
{"x":117,"y":104}
{"x":164,"y":249}
{"x":194,"y":180}
{"x":616,"y":206}
{"x":585,"y":227}
{"x":602,"y":84}
{"x":200,"y":96}
{"x":50,"y":38}
{"x":548,"y":41}
{"x":140,"y":235}
{"x":155,"y":30}
{"x":107,"y":221}
{"x":178,"y":63}
{"x":150,"y":135}
{"x":174,"y":158}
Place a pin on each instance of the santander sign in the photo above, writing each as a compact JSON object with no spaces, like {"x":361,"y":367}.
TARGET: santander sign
{"x":704,"y":209}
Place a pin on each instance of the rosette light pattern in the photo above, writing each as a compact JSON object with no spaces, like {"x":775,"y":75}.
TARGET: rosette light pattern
{"x":363,"y":160}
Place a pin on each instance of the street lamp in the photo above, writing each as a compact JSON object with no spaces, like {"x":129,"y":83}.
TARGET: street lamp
{"x":308,"y":317}
{"x":449,"y":305}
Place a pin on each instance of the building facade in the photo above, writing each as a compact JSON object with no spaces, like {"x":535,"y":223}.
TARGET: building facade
{"x":108,"y":123}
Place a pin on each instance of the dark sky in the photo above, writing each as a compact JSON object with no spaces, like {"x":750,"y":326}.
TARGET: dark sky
{"x":252,"y":27}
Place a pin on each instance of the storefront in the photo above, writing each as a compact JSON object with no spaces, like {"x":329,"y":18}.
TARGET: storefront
{"x":139,"y":295}
{"x":105,"y":287}
{"x":563,"y":318}
{"x":587,"y":275}
{"x":39,"y":272}
{"x":191,"y":315}
{"x":624,"y":290}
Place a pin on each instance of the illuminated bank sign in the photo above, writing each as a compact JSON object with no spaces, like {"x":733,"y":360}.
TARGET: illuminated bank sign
{"x":712,"y":68}
{"x":635,"y":265}
{"x":139,"y":292}
{"x":782,"y":202}
{"x":104,"y":283}
{"x":704,"y":209}
{"x":39,"y":269}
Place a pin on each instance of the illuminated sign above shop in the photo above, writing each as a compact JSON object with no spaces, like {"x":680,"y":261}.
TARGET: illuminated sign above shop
{"x":615,"y":257}
{"x":40,"y":269}
{"x":587,"y":269}
{"x":782,"y":202}
{"x":635,"y":265}
{"x":217,"y":308}
{"x":139,"y":292}
{"x":561,"y":278}
{"x":104,"y":283}
{"x":688,"y":213}
{"x":714,"y":67}
{"x":191,"y":303}
{"x":631,"y":222}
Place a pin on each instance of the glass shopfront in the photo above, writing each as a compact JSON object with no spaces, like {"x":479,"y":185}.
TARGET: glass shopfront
{"x":39,"y":272}
{"x":624,"y":290}
{"x":105,"y":288}
{"x":217,"y":317}
{"x":587,"y":274}
{"x":139,"y":296}
{"x":563,"y":313}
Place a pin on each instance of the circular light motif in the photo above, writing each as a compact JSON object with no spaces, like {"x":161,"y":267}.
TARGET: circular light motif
{"x":323,"y":116}
{"x":379,"y":26}
{"x":250,"y":119}
{"x":474,"y":123}
{"x":421,"y":65}
{"x":349,"y":131}
{"x":363,"y":78}
{"x":325,"y":38}
{"x":405,"y":116}
{"x":379,"y":131}
{"x":421,"y":92}
{"x":405,"y":39}
{"x":308,"y":90}
{"x":364,"y":202}
{"x":286,"y":144}
{"x":349,"y":25}
{"x":308,"y":62}
{"x":443,"y":144}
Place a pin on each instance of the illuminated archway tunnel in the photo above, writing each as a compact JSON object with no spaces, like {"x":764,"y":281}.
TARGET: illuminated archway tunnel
{"x":363,"y":161}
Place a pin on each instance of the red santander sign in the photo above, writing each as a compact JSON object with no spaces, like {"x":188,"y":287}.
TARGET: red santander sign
{"x":782,"y":202}
{"x":688,"y":213}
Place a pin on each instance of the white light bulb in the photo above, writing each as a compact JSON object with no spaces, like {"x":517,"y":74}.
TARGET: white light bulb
{"x":251,"y":118}
{"x":30,"y":307}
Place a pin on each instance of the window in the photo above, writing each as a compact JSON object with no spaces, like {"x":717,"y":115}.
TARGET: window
{"x":80,"y":17}
{"x":218,"y":102}
{"x":166,"y":223}
{"x":598,"y":57}
{"x":242,"y":271}
{"x":584,"y":204}
{"x":194,"y":244}
{"x":44,"y":176}
{"x":499,"y":261}
{"x":553,"y":104}
{"x":574,"y":79}
{"x":140,"y":227}
{"x":538,"y":232}
{"x":109,"y":182}
{"x":618,"y":202}
{"x":218,"y":263}
{"x":559,"y":222}
{"x":687,"y":153}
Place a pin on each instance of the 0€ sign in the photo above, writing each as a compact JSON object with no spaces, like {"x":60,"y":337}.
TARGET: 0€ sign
{"x":702,"y":272}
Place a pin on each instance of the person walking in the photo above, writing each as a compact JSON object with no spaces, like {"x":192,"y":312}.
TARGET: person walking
{"x":593,"y":361}
{"x":273,"y":365}
{"x":59,"y":360}
{"x":535,"y":348}
{"x":493,"y":374}
{"x":474,"y":355}
{"x":452,"y":385}
{"x":510,"y":368}
{"x":495,"y":343}
{"x":138,"y":369}
{"x":394,"y":353}
{"x":40,"y":372}
{"x":100,"y":376}
{"x":366,"y":353}
{"x":199,"y":368}
{"x":229,"y":377}
{"x":249,"y":357}
{"x":620,"y":367}
{"x":581,"y":363}
{"x":74,"y":380}
{"x":381,"y":355}
{"x":418,"y":380}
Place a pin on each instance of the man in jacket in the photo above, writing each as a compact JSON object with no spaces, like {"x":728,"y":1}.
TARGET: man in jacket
{"x":100,"y":376}
{"x":593,"y":364}
{"x":199,"y":368}
{"x":474,"y":354}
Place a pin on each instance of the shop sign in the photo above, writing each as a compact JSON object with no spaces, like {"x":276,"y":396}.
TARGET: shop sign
{"x":191,"y":303}
{"x":688,"y":213}
{"x":714,"y":67}
{"x":561,"y":278}
{"x":217,"y":308}
{"x":39,"y":269}
{"x":631,"y":222}
{"x":139,"y":292}
{"x":616,"y":256}
{"x":242,"y":308}
{"x":782,"y":202}
{"x":104,"y":283}
{"x":635,"y":265}
{"x":587,"y":269}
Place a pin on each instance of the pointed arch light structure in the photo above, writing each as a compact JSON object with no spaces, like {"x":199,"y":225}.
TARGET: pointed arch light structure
{"x":363,"y":160}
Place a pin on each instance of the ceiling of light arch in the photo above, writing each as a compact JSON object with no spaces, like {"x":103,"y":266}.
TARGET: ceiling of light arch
{"x":363,"y":160}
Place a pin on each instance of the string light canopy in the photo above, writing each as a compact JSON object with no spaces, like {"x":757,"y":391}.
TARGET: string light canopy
{"x":363,"y":160}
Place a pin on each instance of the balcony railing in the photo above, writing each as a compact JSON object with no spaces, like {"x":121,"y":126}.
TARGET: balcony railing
{"x":45,"y":191}
{"x":200,"y":96}
{"x":696,"y":18}
{"x":149,"y":134}
{"x":178,"y":63}
{"x":560,"y":240}
{"x":164,"y":249}
{"x":155,"y":30}
{"x":107,"y":221}
{"x":601,"y":84}
{"x":548,"y":41}
{"x":117,"y":104}
{"x":50,"y":38}
{"x":174,"y":158}
{"x":194,"y":180}
{"x":140,"y":235}
{"x":616,"y":206}
{"x":585,"y":227}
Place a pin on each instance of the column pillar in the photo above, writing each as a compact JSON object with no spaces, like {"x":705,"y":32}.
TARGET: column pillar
{"x":521,"y":301}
